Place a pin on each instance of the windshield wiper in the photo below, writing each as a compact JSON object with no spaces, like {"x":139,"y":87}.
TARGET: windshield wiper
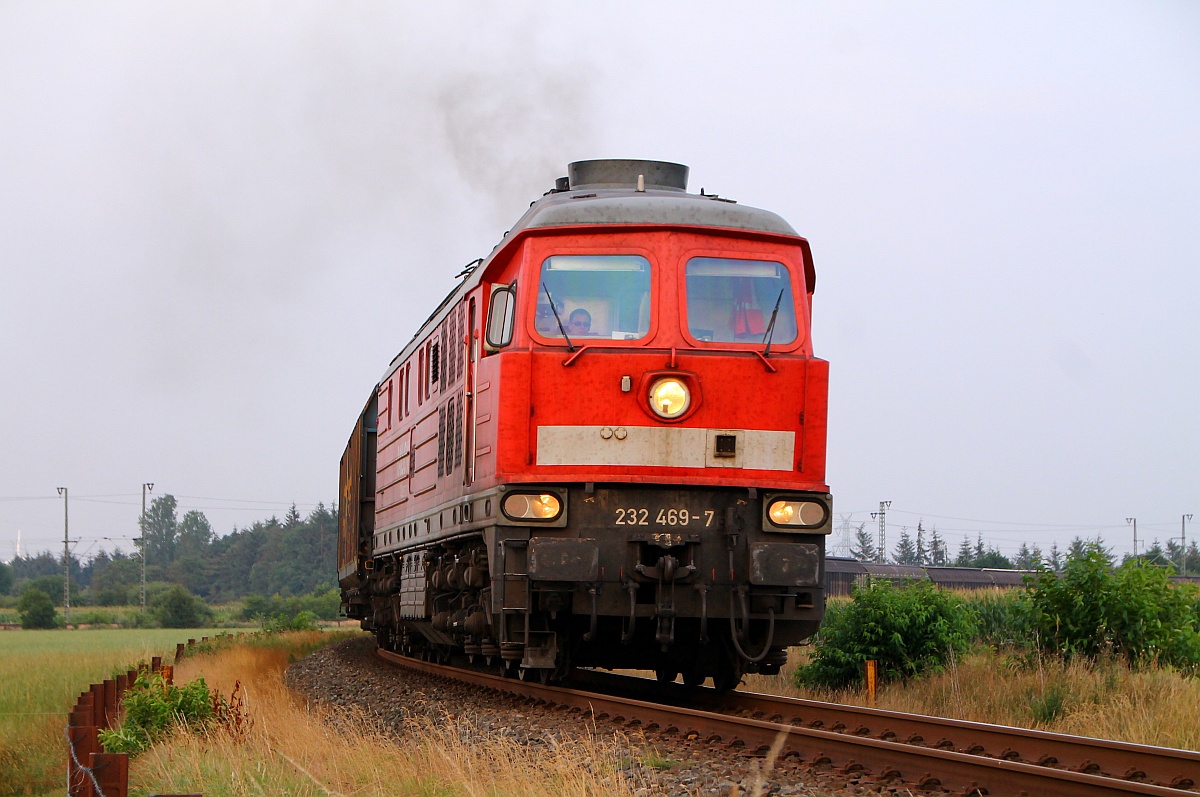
{"x":557,"y":320}
{"x":771,"y":324}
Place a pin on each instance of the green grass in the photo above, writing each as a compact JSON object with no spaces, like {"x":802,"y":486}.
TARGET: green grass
{"x":42,"y":674}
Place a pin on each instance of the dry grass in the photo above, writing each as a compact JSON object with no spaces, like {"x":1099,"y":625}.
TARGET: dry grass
{"x":1106,"y":700}
{"x":296,"y":749}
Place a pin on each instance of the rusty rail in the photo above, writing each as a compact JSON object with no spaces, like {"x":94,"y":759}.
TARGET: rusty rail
{"x":883,"y":758}
{"x":1179,"y":769}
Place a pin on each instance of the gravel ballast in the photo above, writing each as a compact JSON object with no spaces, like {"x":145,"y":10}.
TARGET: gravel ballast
{"x":349,"y":675}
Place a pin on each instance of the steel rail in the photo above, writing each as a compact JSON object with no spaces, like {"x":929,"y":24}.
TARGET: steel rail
{"x":1165,"y":766}
{"x":923,"y":767}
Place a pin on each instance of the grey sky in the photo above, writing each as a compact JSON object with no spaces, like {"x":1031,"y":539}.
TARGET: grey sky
{"x":219,"y":221}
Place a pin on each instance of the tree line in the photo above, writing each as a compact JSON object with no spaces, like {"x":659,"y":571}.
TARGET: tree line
{"x":289,"y":557}
{"x":927,"y":548}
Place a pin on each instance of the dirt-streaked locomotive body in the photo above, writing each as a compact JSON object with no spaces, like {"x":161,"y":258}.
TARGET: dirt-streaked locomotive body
{"x":605,"y":448}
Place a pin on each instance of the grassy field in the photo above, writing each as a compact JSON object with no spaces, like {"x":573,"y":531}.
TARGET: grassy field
{"x":1107,"y":699}
{"x":42,"y":673}
{"x":299,"y":750}
{"x":291,"y":748}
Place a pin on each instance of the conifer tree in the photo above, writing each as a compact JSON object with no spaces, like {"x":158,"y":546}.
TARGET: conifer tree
{"x":1026,"y":559}
{"x":906,"y":552}
{"x":864,"y":545}
{"x":965,"y":556}
{"x":1055,"y":559}
{"x":938,"y":555}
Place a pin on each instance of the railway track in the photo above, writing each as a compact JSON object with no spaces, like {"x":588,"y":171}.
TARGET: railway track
{"x":924,"y":752}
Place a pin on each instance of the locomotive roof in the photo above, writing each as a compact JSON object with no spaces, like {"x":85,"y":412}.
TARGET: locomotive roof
{"x":634,"y":192}
{"x":651,"y":206}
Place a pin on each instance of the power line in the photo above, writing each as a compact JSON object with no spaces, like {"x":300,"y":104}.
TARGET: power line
{"x":133,"y":502}
{"x":243,"y":500}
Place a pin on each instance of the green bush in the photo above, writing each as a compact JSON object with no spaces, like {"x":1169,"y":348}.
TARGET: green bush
{"x":278,"y":623}
{"x":96,"y":617}
{"x":1050,"y":705}
{"x":139,"y":619}
{"x":115,"y":595}
{"x":178,"y":608}
{"x":36,"y":609}
{"x":1002,"y":619}
{"x":1134,"y":612}
{"x":153,"y":707}
{"x":52,"y":586}
{"x":908,"y":630}
{"x":322,"y":605}
{"x":154,"y":590}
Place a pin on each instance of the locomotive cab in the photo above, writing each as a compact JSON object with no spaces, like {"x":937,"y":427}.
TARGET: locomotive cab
{"x":629,"y":443}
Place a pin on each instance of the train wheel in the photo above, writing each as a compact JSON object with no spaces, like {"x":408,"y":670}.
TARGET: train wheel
{"x":694,"y":676}
{"x":666,"y":675}
{"x":539,"y":674}
{"x":728,"y":675}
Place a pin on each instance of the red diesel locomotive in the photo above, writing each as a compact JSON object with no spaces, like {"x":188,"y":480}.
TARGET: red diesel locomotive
{"x":605,"y":448}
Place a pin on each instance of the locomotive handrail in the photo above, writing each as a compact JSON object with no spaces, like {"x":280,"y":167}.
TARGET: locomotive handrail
{"x":567,"y":363}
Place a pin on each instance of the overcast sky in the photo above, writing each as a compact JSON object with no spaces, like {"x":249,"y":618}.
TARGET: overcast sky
{"x":219,"y":222}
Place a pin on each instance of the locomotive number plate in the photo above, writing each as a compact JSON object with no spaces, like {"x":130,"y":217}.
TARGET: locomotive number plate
{"x":641,"y":516}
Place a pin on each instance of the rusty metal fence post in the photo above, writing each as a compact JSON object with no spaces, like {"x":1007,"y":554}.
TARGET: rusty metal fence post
{"x":90,"y":771}
{"x":111,"y":771}
{"x":872,"y":667}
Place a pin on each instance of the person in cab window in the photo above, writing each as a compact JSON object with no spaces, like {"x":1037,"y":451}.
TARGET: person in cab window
{"x":580,"y":322}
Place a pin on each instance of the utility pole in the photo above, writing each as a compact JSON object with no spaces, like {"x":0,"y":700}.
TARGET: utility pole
{"x":66,"y":563}
{"x":1183,"y":543}
{"x":1133,"y":520}
{"x":147,"y":487}
{"x":881,"y":553}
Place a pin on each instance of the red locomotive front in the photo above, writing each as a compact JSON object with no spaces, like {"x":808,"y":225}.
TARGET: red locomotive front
{"x":606,"y":448}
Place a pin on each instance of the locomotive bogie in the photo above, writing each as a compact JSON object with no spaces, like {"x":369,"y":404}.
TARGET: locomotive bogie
{"x":621,"y":575}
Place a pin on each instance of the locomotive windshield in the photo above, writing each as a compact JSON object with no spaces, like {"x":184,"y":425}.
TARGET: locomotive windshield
{"x":733,"y":301}
{"x":605,"y":296}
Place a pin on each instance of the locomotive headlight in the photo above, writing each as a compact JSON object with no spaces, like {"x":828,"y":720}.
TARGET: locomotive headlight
{"x":524,"y":506}
{"x":669,"y":398}
{"x":791,"y":512}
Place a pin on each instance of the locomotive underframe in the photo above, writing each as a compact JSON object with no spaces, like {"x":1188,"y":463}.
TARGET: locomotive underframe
{"x":690,"y":578}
